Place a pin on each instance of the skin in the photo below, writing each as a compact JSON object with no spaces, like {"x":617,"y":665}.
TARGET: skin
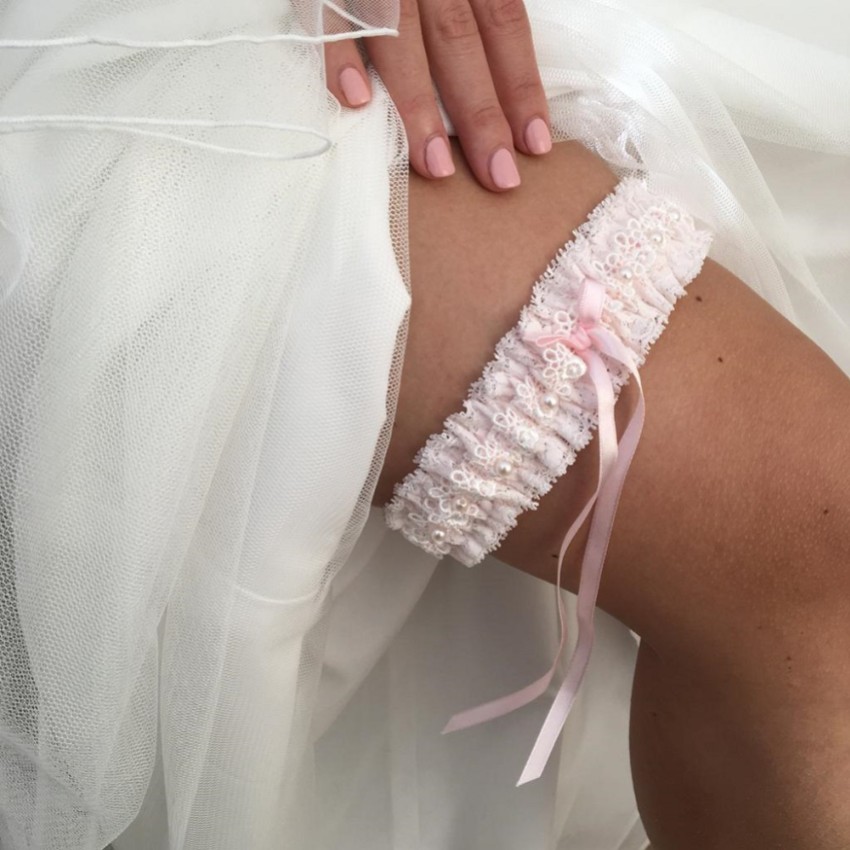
{"x":730,"y":549}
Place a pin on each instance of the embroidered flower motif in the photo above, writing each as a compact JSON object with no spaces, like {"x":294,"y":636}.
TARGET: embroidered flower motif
{"x":487,"y":451}
{"x":631,"y":239}
{"x":565,"y":322}
{"x":508,"y":420}
{"x":462,"y":479}
{"x":526,"y":437}
{"x":452,"y":511}
{"x":539,"y":404}
{"x":526,"y":394}
{"x":664,"y":216}
{"x":463,"y":518}
{"x":471,"y":482}
{"x":564,"y":366}
{"x":441,"y":496}
{"x":522,"y":433}
{"x":493,"y":458}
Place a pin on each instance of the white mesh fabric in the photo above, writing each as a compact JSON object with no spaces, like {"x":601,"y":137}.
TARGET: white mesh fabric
{"x":706,"y":125}
{"x":181,"y":394}
{"x":199,"y":340}
{"x":221,"y":76}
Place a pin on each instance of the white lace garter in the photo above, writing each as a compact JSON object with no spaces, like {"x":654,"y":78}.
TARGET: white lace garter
{"x":534,"y":408}
{"x":592,"y":318}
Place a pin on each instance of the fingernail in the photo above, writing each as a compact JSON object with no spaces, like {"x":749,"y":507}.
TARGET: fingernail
{"x":438,"y":158}
{"x":503,"y":169}
{"x":354,"y":87}
{"x":537,"y":136}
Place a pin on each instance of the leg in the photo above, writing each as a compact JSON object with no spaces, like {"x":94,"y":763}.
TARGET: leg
{"x":729,"y":552}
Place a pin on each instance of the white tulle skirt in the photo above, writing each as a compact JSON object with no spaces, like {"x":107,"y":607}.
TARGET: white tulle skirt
{"x":208,"y":640}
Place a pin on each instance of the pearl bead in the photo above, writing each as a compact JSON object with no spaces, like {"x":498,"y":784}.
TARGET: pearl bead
{"x":438,"y":535}
{"x":656,"y":237}
{"x":575,"y":370}
{"x":674,"y":214}
{"x":504,"y":468}
{"x":461,"y":503}
{"x":550,"y":401}
{"x":626,"y":274}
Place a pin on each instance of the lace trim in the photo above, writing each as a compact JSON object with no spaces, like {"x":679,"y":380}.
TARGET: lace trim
{"x":533,"y":409}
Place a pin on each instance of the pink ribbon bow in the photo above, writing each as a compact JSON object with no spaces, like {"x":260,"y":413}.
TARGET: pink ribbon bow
{"x":589,"y":341}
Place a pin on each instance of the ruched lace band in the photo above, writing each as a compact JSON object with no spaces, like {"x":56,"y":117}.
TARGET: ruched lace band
{"x":592,"y":318}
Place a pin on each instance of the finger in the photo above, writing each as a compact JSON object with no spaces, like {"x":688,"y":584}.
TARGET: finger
{"x":345,"y":75}
{"x":460,"y":69}
{"x":403,"y":66}
{"x":506,"y":36}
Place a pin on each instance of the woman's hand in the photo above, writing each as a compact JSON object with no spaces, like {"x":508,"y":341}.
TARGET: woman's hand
{"x":481,"y":57}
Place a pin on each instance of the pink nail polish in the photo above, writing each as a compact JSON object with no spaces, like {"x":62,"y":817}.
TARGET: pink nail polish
{"x":537,"y":136}
{"x":438,"y":158}
{"x":503,"y":169}
{"x":354,"y":87}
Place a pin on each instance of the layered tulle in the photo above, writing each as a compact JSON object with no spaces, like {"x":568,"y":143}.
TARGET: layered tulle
{"x":203,"y":273}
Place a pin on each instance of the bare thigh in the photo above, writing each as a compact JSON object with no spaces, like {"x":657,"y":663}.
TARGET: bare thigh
{"x":730,"y":549}
{"x":740,"y":474}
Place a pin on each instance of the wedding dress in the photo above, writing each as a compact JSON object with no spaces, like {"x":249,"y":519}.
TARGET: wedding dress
{"x":208,"y":639}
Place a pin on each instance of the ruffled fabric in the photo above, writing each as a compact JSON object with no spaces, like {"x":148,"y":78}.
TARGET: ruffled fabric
{"x":534,"y":408}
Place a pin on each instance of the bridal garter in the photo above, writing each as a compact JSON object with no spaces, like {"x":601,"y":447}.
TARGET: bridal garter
{"x":592,"y":317}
